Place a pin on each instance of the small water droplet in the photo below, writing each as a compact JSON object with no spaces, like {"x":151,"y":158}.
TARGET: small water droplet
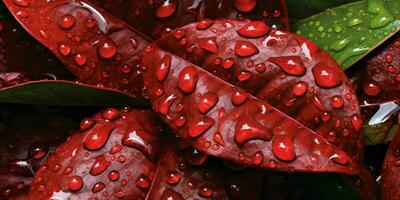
{"x":283,"y":148}
{"x":75,"y":183}
{"x":292,"y":65}
{"x":166,"y":8}
{"x":245,"y":48}
{"x":66,"y":22}
{"x":200,"y":126}
{"x":209,"y":44}
{"x":187,"y":80}
{"x":107,"y":50}
{"x":207,"y":102}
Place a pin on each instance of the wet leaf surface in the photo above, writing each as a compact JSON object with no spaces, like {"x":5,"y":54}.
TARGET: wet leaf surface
{"x":162,"y":16}
{"x":351,"y":31}
{"x":95,"y":46}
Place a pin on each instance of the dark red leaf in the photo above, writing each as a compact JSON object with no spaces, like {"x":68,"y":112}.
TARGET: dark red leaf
{"x":237,"y":126}
{"x":288,"y":71}
{"x":26,"y":142}
{"x":176,"y":175}
{"x":390,"y":181}
{"x":22,"y":58}
{"x":380,"y":81}
{"x":162,"y":16}
{"x":96,"y":47}
{"x":110,"y":157}
{"x":115,"y":156}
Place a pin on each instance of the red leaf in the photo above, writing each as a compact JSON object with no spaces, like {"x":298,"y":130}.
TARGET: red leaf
{"x":123,"y":164}
{"x":22,"y":57}
{"x":288,"y":71}
{"x":162,"y":16}
{"x":26,"y":142}
{"x":390,"y":181}
{"x":251,"y":129}
{"x":380,"y":81}
{"x":96,"y":47}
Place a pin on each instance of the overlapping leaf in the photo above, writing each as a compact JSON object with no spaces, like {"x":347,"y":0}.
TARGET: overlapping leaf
{"x":162,"y":16}
{"x":96,"y":47}
{"x":116,"y":155}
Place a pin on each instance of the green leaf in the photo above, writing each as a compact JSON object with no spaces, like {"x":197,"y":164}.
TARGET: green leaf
{"x":351,"y":31}
{"x":65,"y":93}
{"x":300,"y":9}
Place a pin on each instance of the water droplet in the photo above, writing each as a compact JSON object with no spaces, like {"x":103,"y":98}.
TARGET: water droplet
{"x":178,"y":34}
{"x":283,"y":148}
{"x":187,"y":80}
{"x":100,"y":165}
{"x":174,"y":178}
{"x":141,"y":140}
{"x":260,"y":67}
{"x":209,"y":44}
{"x":206,"y":192}
{"x":75,"y":183}
{"x":219,"y":139}
{"x":97,"y":137}
{"x":326,"y":77}
{"x":110,"y":114}
{"x":166,"y":9}
{"x":204,"y":24}
{"x":258,"y":158}
{"x":115,"y":149}
{"x":248,"y":128}
{"x":80,"y":59}
{"x":64,"y":49}
{"x":162,"y":68}
{"x":254,"y":29}
{"x":340,"y":157}
{"x":372,"y":89}
{"x":318,"y":103}
{"x":170,"y":194}
{"x":337,"y":101}
{"x":200,"y":126}
{"x":142,"y":182}
{"x":340,"y":44}
{"x":113,"y":175}
{"x":107,"y":50}
{"x":97,"y":187}
{"x":21,"y":3}
{"x":300,"y":88}
{"x":166,"y":104}
{"x":66,"y":22}
{"x":245,"y":5}
{"x":292,"y":65}
{"x":228,"y":63}
{"x":239,"y":97}
{"x":245,"y":48}
{"x":244,"y":76}
{"x":207,"y":101}
{"x":22,"y":14}
{"x":357,"y":122}
{"x":38,"y":151}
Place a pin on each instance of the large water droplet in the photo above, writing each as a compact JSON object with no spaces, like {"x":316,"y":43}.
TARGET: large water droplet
{"x":254,"y":29}
{"x":283,"y":148}
{"x":372,"y":89}
{"x":97,"y":137}
{"x":245,"y":48}
{"x":75,"y":183}
{"x":209,"y":44}
{"x":337,"y":101}
{"x":107,"y":50}
{"x":292,"y":65}
{"x":239,"y":97}
{"x":207,"y":101}
{"x":166,"y":9}
{"x":170,"y":194}
{"x":67,"y":21}
{"x":97,"y":187}
{"x":100,"y":165}
{"x":162,"y":68}
{"x":187,"y":80}
{"x":325,"y":76}
{"x":245,"y":5}
{"x":300,"y":88}
{"x":200,"y":126}
{"x":248,"y":128}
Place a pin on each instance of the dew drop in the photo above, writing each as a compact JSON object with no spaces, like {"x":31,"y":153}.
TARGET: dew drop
{"x":97,"y":187}
{"x":174,"y":178}
{"x":245,"y":5}
{"x":200,"y":126}
{"x":66,"y":22}
{"x":166,"y":9}
{"x":283,"y":148}
{"x":290,"y":64}
{"x":254,"y":29}
{"x":75,"y":183}
{"x":142,"y":182}
{"x":245,"y":48}
{"x":207,"y":102}
{"x":239,"y":97}
{"x":248,"y":128}
{"x":187,"y":80}
{"x":300,"y":88}
{"x":337,"y":101}
{"x":64,"y":49}
{"x":326,"y":77}
{"x":204,"y":24}
{"x":100,"y":165}
{"x":97,"y":137}
{"x":163,"y":67}
{"x":209,"y":44}
{"x":170,"y":194}
{"x":205,"y":191}
{"x":107,"y":50}
{"x":113,"y":175}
